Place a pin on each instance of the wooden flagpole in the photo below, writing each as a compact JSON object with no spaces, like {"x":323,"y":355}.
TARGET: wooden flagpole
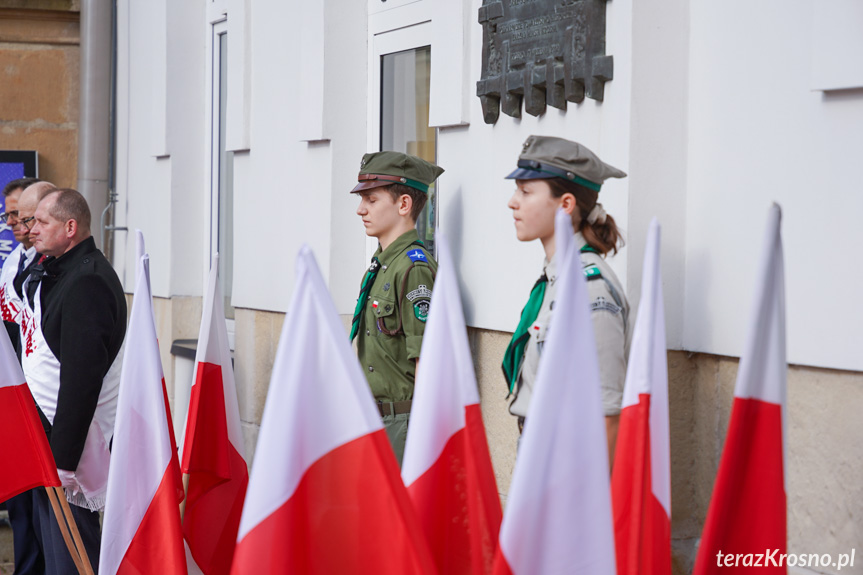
{"x":73,"y":527}
{"x":185,"y":496}
{"x":64,"y":529}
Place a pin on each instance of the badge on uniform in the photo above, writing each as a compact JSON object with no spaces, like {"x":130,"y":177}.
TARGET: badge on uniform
{"x":421,"y":291}
{"x":421,"y":310}
{"x":591,"y":272}
{"x":417,"y":256}
{"x":601,"y":303}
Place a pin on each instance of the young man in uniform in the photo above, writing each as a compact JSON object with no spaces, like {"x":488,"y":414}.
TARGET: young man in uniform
{"x":393,"y":304}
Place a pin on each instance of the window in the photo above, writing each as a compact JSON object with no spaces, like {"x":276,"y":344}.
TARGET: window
{"x":221,"y":193}
{"x":399,"y":103}
{"x":405,"y":118}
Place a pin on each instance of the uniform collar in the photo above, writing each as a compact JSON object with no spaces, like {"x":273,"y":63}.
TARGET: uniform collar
{"x":549,"y":267}
{"x":397,"y":247}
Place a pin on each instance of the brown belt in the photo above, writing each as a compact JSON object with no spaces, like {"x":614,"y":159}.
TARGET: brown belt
{"x":394,"y":408}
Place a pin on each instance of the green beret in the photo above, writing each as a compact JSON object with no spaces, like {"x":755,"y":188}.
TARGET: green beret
{"x":386,"y":168}
{"x":546,"y":157}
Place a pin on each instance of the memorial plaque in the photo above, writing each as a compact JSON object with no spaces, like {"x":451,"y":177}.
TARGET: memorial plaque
{"x":545,"y":52}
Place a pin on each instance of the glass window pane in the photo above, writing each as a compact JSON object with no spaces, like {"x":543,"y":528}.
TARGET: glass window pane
{"x":226,"y":186}
{"x":405,"y":82}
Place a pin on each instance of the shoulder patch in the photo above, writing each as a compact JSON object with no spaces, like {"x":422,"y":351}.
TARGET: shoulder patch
{"x":417,"y":255}
{"x":591,"y":272}
{"x":421,"y":310}
{"x":601,"y":303}
{"x":421,"y":291}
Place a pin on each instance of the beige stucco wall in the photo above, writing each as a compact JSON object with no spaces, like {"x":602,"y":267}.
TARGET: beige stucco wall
{"x":39,"y":85}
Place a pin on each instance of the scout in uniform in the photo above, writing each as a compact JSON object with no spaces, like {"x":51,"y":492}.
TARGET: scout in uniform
{"x":395,"y":293}
{"x":555,"y":173}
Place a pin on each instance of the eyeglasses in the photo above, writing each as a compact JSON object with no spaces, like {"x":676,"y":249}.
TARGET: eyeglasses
{"x":6,"y":216}
{"x":27,"y":222}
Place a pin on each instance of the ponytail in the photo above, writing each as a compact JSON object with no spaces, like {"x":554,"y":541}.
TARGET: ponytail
{"x":603,"y":235}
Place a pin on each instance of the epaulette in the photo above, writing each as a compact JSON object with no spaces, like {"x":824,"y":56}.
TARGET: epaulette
{"x":592,"y":272}
{"x":417,"y":255}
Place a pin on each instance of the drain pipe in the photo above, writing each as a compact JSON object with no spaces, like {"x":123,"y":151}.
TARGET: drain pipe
{"x":108,"y":227}
{"x":94,"y":125}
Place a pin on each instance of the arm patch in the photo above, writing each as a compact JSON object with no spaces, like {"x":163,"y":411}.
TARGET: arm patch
{"x":591,"y":272}
{"x":417,"y":255}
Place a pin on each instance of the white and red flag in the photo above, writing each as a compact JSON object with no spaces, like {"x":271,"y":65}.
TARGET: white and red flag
{"x":213,"y":454}
{"x":141,"y":531}
{"x":447,"y":467}
{"x":747,"y":513}
{"x":641,"y":480}
{"x":558,"y":514}
{"x":24,"y":440}
{"x":325,"y":495}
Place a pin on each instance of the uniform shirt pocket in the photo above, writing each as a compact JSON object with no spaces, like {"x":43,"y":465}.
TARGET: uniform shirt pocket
{"x":383,"y":311}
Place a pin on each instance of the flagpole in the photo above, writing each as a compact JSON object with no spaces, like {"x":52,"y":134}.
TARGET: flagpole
{"x":185,"y":496}
{"x":73,"y":528}
{"x":64,"y":529}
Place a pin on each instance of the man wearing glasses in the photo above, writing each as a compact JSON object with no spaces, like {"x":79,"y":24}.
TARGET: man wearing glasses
{"x":11,"y":196}
{"x":21,"y":202}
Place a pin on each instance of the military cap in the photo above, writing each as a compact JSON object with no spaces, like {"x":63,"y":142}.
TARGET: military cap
{"x":386,"y":168}
{"x":546,"y":157}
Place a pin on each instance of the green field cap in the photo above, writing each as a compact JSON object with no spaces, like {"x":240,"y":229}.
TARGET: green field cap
{"x":547,"y":157}
{"x":387,"y":168}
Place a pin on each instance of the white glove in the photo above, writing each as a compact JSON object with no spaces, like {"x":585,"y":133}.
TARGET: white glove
{"x":69,"y":481}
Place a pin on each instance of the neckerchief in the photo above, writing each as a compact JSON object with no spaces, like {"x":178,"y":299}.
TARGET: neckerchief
{"x":365,"y":288}
{"x":514,"y":355}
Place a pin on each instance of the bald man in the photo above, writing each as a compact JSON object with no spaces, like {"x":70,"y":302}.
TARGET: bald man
{"x":72,"y":341}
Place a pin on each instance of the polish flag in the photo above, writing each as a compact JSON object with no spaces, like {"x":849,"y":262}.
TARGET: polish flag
{"x":325,"y":495}
{"x":141,"y":531}
{"x":212,"y":453}
{"x":747,"y":512}
{"x":24,"y":441}
{"x":447,"y":467}
{"x":641,"y":481}
{"x":558,"y":514}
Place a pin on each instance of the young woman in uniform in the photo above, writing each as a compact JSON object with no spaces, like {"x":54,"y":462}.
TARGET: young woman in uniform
{"x":555,"y":173}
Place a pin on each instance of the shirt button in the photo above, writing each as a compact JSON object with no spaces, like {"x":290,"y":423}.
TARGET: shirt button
{"x":371,"y":368}
{"x":368,"y":332}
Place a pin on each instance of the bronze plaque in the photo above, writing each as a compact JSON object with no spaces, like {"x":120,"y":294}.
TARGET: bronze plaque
{"x":545,"y":52}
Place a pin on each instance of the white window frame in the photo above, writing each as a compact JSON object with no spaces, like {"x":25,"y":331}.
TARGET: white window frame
{"x":217,"y":25}
{"x":405,"y":26}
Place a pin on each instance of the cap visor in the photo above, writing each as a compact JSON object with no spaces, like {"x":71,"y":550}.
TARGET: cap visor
{"x":525,"y":174}
{"x":370,"y":184}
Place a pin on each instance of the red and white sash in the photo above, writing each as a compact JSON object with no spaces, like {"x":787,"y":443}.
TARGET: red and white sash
{"x":42,"y":371}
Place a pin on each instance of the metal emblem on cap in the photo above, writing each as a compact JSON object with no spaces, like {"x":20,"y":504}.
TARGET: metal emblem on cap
{"x":526,"y":145}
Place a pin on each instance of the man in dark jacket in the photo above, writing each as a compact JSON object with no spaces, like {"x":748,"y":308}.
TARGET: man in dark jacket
{"x":72,"y":353}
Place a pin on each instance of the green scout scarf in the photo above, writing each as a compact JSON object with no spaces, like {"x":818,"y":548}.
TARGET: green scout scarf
{"x":514,"y":355}
{"x":365,"y":288}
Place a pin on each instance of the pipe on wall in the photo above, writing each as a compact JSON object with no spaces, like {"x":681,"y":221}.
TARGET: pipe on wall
{"x":94,"y":127}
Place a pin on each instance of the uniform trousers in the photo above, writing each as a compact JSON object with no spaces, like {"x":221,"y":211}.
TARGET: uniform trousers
{"x":396,"y":427}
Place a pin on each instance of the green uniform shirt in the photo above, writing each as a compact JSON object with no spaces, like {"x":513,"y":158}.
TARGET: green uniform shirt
{"x":391,"y":328}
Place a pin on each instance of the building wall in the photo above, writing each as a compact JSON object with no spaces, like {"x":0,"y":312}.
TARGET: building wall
{"x":710,"y":132}
{"x":39,"y":63}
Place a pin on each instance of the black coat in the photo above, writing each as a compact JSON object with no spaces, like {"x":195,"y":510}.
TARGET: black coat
{"x":84,"y":323}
